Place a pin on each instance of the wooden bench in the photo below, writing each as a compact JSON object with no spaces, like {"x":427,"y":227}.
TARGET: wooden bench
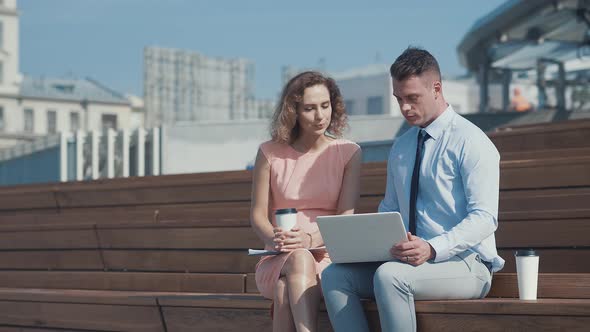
{"x":567,"y":134}
{"x":168,"y":253}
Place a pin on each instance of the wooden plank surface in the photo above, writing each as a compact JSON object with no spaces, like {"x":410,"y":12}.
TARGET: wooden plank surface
{"x":23,"y":197}
{"x":51,"y":260}
{"x":112,"y":298}
{"x":153,"y":237}
{"x":550,"y":285}
{"x":544,"y":233}
{"x":215,"y":192}
{"x":549,"y":173}
{"x":125,"y":281}
{"x":553,"y":260}
{"x":550,"y":307}
{"x":81,"y":316}
{"x":499,"y":323}
{"x":545,"y":153}
{"x":204,"y":319}
{"x":211,"y":261}
{"x":251,"y":283}
{"x":80,"y":238}
{"x":35,"y":329}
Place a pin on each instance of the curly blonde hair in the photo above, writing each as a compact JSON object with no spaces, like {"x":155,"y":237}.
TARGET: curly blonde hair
{"x":284,"y":126}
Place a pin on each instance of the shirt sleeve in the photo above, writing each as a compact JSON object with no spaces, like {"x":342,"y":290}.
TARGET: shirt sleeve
{"x":479,"y":168}
{"x":390,"y":201}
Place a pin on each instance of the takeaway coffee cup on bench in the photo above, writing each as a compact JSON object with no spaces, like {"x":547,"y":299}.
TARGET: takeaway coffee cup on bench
{"x":527,"y":270}
{"x":286,"y":218}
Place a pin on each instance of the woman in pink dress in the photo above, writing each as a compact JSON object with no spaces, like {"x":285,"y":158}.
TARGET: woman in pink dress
{"x":306,"y":166}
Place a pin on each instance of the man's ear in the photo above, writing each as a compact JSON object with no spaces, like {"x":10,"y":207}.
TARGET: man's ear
{"x":437,"y":85}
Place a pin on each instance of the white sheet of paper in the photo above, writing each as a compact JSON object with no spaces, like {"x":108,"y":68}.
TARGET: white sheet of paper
{"x":262,"y":252}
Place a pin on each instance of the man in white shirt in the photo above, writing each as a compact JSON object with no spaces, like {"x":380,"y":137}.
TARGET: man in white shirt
{"x":443,"y":177}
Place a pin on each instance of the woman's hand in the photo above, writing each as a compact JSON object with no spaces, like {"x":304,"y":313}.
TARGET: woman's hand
{"x":291,"y":240}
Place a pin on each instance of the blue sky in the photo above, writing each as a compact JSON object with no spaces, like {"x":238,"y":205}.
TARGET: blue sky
{"x":104,"y":39}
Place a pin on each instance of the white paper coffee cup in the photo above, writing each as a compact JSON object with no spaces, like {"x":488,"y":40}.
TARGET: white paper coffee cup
{"x":527,"y":271}
{"x":286,"y":218}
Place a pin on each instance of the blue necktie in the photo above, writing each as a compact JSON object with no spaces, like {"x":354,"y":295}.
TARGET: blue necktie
{"x":422,"y":137}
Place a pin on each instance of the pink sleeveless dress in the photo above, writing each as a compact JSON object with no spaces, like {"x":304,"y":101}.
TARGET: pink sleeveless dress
{"x":309,"y":182}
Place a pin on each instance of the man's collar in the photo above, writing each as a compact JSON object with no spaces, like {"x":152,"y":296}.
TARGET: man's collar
{"x":436,"y":128}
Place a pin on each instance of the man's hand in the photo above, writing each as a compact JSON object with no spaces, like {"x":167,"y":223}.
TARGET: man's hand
{"x":415,"y":251}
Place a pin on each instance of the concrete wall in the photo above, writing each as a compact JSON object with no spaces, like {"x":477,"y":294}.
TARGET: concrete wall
{"x":224,"y":146}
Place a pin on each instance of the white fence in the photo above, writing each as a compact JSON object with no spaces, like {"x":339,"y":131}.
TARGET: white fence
{"x":79,"y":156}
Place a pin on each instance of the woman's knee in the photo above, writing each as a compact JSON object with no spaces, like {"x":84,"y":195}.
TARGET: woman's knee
{"x":300,"y":261}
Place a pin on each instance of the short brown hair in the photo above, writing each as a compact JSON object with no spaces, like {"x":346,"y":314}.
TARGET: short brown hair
{"x":284,"y":126}
{"x":414,"y":62}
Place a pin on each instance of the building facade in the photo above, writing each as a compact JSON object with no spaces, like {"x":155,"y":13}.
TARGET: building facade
{"x":33,"y":107}
{"x":186,"y":86}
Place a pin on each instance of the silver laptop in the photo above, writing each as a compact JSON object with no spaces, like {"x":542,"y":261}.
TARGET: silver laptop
{"x":368,"y":237}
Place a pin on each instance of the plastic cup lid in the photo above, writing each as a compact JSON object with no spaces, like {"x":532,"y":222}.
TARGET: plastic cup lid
{"x":526,"y":252}
{"x":286,"y":211}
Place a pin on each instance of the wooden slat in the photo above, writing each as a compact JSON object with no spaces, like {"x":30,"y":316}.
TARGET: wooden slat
{"x":572,"y":307}
{"x":35,"y":329}
{"x":180,"y":238}
{"x":527,"y":204}
{"x":125,"y":281}
{"x":546,"y":153}
{"x":180,"y":313}
{"x":550,"y":285}
{"x":554,"y":260}
{"x":548,"y":173}
{"x":228,"y":261}
{"x":204,"y":319}
{"x":216,"y":192}
{"x":17,"y":198}
{"x":51,"y":260}
{"x":88,"y":217}
{"x":542,"y":127}
{"x":568,"y":134}
{"x":496,"y":323}
{"x":84,"y":237}
{"x":545,"y":200}
{"x":223,"y":301}
{"x":251,"y":283}
{"x":81,"y":316}
{"x":544,"y":233}
{"x":550,"y":307}
{"x":205,"y":211}
{"x":81,"y":296}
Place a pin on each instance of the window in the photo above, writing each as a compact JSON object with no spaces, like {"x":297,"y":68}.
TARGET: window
{"x":29,"y":120}
{"x":51,"y":122}
{"x":1,"y":118}
{"x":349,"y":105}
{"x":109,"y":121}
{"x":74,"y":121}
{"x":64,"y":88}
{"x":375,"y":105}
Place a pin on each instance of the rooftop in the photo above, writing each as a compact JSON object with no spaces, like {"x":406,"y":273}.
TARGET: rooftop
{"x":69,"y":89}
